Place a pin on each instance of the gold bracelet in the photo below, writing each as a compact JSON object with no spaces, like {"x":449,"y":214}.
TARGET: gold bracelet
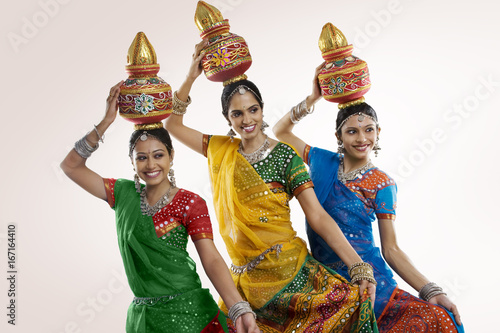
{"x":361,"y":271}
{"x":179,"y":107}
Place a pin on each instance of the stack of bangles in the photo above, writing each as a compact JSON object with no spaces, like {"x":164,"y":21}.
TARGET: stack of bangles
{"x":300,"y":111}
{"x":238,"y":309}
{"x":179,"y":107}
{"x":430,"y":290}
{"x":83,"y":148}
{"x":361,"y":271}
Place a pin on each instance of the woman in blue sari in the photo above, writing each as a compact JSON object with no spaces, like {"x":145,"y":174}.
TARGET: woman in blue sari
{"x":356,"y":193}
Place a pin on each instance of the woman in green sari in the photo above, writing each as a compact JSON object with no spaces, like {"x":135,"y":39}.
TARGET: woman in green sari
{"x":153,"y":224}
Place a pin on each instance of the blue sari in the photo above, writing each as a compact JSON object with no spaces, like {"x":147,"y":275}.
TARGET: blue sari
{"x":354,"y":206}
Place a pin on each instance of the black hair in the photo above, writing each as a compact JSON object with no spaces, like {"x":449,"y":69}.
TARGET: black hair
{"x":159,"y":133}
{"x":343,"y":114}
{"x":228,"y":92}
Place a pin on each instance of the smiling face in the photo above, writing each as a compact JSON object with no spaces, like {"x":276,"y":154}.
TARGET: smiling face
{"x":245,"y":115}
{"x":152,"y":162}
{"x":359,"y":137}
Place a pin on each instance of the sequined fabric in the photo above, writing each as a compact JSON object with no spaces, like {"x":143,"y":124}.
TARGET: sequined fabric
{"x":162,"y":276}
{"x":407,"y":313}
{"x":354,"y":206}
{"x":291,"y":292}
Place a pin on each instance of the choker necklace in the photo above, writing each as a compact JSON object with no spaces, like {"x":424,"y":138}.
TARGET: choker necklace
{"x":257,"y":155}
{"x":152,"y":210}
{"x":358,"y":173}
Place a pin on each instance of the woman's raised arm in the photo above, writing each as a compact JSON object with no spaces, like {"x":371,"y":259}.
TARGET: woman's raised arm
{"x":284,"y":127}
{"x":74,"y":163}
{"x":174,"y":124}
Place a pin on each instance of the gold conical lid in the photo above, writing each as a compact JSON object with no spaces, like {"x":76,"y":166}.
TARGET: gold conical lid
{"x":206,"y":16}
{"x":141,"y":52}
{"x":331,"y":38}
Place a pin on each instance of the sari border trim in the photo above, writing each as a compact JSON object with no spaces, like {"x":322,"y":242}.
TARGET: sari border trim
{"x":305,"y":155}
{"x":303,"y":187}
{"x":202,"y":235}
{"x":109,"y":196}
{"x":383,"y":216}
{"x":205,"y":141}
{"x":166,"y":228}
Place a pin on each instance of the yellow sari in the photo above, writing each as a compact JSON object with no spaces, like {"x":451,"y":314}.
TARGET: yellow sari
{"x":289,"y":290}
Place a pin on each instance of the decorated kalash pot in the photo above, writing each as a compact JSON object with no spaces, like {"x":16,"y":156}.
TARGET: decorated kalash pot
{"x":145,"y":99}
{"x":227,"y":56}
{"x":344,"y":78}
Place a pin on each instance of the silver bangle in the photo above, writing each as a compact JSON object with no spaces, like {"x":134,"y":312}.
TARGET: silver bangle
{"x":430,"y":290}
{"x":100,"y":138}
{"x":298,"y":112}
{"x":179,"y":107}
{"x":83,"y":148}
{"x":238,"y":309}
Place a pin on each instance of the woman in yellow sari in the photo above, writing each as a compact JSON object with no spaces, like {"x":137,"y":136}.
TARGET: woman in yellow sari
{"x":253,"y":180}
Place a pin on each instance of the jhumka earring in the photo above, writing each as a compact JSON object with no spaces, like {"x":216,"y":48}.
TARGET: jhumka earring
{"x":231,"y":133}
{"x":376,"y":148}
{"x":137,"y":183}
{"x":341,"y":149}
{"x":264,"y":126}
{"x":171,"y":177}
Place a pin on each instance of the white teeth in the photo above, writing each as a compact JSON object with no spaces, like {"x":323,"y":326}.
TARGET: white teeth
{"x":152,"y":174}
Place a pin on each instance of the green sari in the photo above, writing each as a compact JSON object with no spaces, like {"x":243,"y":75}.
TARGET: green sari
{"x":162,"y":276}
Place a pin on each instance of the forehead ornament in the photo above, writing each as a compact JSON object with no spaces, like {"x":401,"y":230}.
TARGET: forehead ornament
{"x":361,"y":117}
{"x":242,"y":89}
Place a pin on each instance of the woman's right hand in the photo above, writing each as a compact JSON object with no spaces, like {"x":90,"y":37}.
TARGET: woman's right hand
{"x":444,"y":301}
{"x":369,"y":288}
{"x":112,"y":103}
{"x":315,"y":95}
{"x":195,"y":69}
{"x":246,"y":324}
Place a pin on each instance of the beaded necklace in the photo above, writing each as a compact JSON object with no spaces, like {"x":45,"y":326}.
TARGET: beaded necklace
{"x":257,"y":155}
{"x":357,"y":173}
{"x":152,"y":210}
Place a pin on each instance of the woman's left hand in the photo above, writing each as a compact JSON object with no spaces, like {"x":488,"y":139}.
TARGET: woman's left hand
{"x":316,"y":89}
{"x":112,"y":103}
{"x":370,"y":289}
{"x":444,"y":301}
{"x":246,"y":324}
{"x":196,"y":69}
